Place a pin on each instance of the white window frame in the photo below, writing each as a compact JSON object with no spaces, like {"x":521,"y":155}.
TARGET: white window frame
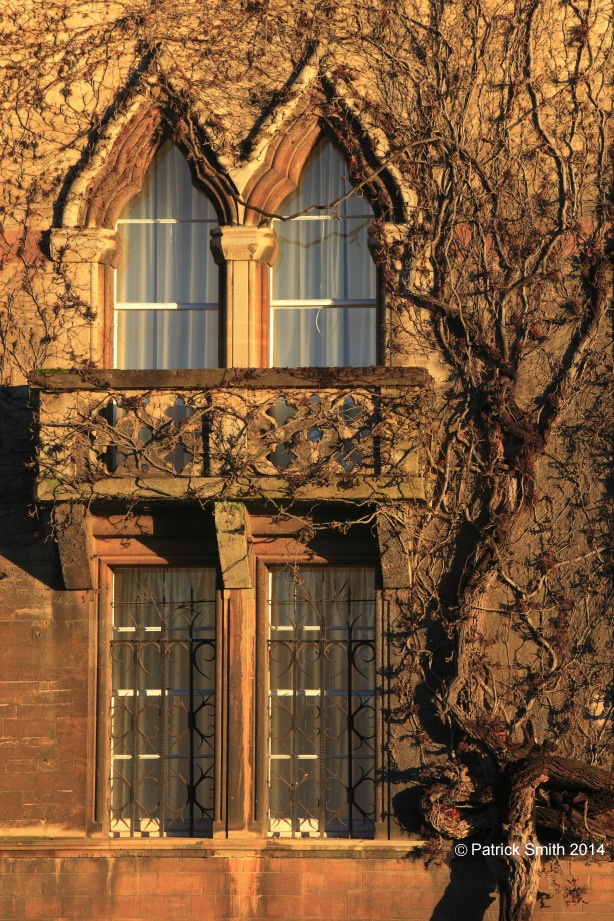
{"x":156,"y":305}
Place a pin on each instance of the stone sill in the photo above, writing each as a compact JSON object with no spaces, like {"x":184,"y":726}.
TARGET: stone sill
{"x":207,"y":847}
{"x":357,"y":488}
{"x":54,"y":380}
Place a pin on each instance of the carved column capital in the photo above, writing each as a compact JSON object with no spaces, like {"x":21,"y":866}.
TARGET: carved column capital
{"x":232,"y":525}
{"x":86,"y":244}
{"x":244,"y":244}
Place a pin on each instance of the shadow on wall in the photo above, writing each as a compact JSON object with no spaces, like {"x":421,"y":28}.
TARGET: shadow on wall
{"x":470,"y":891}
{"x":25,"y":530}
{"x":469,"y":894}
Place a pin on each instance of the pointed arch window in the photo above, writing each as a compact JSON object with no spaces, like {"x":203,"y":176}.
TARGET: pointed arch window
{"x":324,"y":282}
{"x":166,"y":303}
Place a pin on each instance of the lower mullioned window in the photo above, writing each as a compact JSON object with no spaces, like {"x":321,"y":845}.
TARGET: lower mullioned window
{"x":321,"y":680}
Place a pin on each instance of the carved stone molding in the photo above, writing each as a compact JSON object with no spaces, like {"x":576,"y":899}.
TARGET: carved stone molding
{"x":244,"y":244}
{"x":283,"y":164}
{"x":88,"y":244}
{"x":393,"y":555}
{"x":231,"y":523}
{"x":120,"y":157}
{"x":284,"y":161}
{"x":73,"y":534}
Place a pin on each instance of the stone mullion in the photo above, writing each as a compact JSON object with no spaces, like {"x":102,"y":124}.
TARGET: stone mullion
{"x":244,"y":254}
{"x":87,"y":255}
{"x":237,"y":667}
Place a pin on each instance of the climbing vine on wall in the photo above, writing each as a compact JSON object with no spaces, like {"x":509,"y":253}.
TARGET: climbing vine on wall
{"x":490,"y":120}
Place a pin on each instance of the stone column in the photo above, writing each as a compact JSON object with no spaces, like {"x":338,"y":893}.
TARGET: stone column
{"x":86,"y":255}
{"x":244,"y":253}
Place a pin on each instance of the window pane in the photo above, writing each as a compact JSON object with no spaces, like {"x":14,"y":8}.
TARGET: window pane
{"x":167,"y":263}
{"x":163,"y":702}
{"x":324,"y":337}
{"x":323,"y":259}
{"x":324,"y":180}
{"x":322,"y":703}
{"x":168,"y":191}
{"x":167,"y":339}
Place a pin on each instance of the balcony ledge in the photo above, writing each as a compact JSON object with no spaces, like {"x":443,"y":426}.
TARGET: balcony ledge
{"x":58,"y":379}
{"x":359,"y":488}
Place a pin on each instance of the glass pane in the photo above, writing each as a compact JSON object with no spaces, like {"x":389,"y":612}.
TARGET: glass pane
{"x":324,"y":259}
{"x":325,"y":179}
{"x":163,"y":702}
{"x":167,"y":339}
{"x":324,"y":337}
{"x":167,"y":263}
{"x":168,"y":191}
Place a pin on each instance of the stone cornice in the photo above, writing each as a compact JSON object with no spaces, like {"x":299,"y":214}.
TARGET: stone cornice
{"x":54,"y":380}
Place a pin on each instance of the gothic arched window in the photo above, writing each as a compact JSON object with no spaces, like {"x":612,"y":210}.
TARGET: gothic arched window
{"x":323,"y":306}
{"x":166,"y":303}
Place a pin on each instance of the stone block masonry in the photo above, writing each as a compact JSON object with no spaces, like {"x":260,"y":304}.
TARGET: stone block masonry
{"x":271,"y":888}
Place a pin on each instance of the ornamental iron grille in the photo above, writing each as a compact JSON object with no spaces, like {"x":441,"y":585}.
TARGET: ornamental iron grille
{"x":163,"y":702}
{"x":322,"y":703}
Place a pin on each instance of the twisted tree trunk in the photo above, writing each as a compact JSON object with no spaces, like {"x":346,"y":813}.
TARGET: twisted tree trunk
{"x":519,"y":882}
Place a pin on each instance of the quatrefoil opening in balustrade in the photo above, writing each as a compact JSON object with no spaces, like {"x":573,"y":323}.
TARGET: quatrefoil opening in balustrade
{"x":281,"y":411}
{"x":348,"y":456}
{"x":319,"y":431}
{"x":281,"y":457}
{"x":148,"y":436}
{"x":350,"y":410}
{"x":180,"y":456}
{"x":111,"y":433}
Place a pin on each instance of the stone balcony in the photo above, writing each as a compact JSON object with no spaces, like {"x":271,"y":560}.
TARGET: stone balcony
{"x":300,"y":434}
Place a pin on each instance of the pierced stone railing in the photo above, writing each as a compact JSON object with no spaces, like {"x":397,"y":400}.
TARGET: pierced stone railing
{"x":297,"y":433}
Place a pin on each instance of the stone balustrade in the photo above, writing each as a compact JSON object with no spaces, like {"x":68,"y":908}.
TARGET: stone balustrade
{"x":330,"y":434}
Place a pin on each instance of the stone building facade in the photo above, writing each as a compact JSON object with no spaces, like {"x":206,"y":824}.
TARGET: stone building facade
{"x":200,"y":598}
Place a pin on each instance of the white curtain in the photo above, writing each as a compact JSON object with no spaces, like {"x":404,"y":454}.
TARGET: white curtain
{"x":324,"y":259}
{"x":325,"y":337}
{"x":167,"y":338}
{"x":167,"y":263}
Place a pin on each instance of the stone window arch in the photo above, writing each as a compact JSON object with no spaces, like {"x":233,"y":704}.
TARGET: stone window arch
{"x":354,"y":331}
{"x":87,"y":237}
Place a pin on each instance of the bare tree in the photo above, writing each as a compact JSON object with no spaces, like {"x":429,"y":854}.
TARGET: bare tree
{"x":493,"y":117}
